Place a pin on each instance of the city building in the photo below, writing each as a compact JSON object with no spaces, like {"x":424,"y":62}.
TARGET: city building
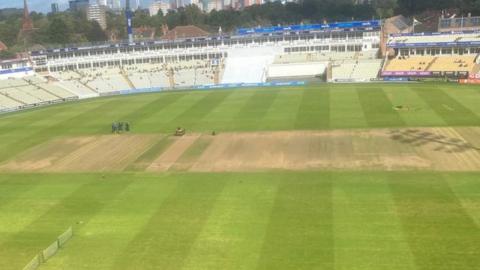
{"x":454,"y":23}
{"x":247,"y":3}
{"x":198,"y":3}
{"x":114,"y":5}
{"x":210,"y":5}
{"x":97,"y":13}
{"x":159,"y":5}
{"x":55,"y":8}
{"x":78,"y":5}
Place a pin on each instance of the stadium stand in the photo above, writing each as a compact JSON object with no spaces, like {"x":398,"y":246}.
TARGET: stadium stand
{"x":9,"y":104}
{"x":57,"y":91}
{"x":248,"y":65}
{"x":292,"y":70}
{"x":316,"y":57}
{"x":453,"y":63}
{"x":104,"y":80}
{"x":356,"y":71}
{"x":452,"y":55}
{"x":253,"y":55}
{"x":148,"y":76}
{"x":17,"y":93}
{"x":419,"y":63}
{"x":71,"y":80}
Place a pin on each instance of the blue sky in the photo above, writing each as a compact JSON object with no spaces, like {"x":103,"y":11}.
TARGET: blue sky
{"x":44,"y":5}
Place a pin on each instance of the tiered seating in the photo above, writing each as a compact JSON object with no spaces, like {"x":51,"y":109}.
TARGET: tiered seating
{"x":12,"y":83}
{"x":366,"y":70}
{"x":430,"y":63}
{"x":18,"y":95}
{"x":89,"y":83}
{"x":104,"y":80}
{"x":453,"y":63}
{"x":358,"y":70}
{"x":38,"y":93}
{"x":414,"y":63}
{"x":342,"y":70}
{"x":71,"y":80}
{"x":147,"y":76}
{"x":31,"y":90}
{"x":199,"y":75}
{"x":296,"y":70}
{"x":186,"y":73}
{"x":204,"y":76}
{"x":323,"y":56}
{"x":57,"y":90}
{"x":7,"y":103}
{"x":77,"y":88}
{"x":312,"y":57}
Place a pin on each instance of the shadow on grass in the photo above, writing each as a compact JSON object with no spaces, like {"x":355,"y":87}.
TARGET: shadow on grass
{"x":415,"y":137}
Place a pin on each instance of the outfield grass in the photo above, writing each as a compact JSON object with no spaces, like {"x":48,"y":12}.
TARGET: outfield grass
{"x":315,"y":107}
{"x":270,"y":220}
{"x":244,"y":221}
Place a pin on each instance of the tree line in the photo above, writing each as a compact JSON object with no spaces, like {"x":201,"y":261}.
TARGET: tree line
{"x":72,"y":27}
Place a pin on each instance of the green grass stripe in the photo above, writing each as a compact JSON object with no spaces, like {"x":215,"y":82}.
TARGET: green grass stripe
{"x":252,"y":113}
{"x":467,"y":192}
{"x":452,"y":112}
{"x":192,"y":117}
{"x":157,"y":105}
{"x":468,"y":96}
{"x":345,"y":108}
{"x":79,"y":206}
{"x":377,"y":108}
{"x":65,"y":126}
{"x":368,"y":234}
{"x":97,"y":244}
{"x":9,"y":122}
{"x":166,"y":239}
{"x":221,"y":118}
{"x":114,"y":110}
{"x":419,"y":113}
{"x":244,"y":110}
{"x":300,"y":233}
{"x":233,"y":235}
{"x":280,"y":116}
{"x":162,"y":120}
{"x":33,"y":133}
{"x":15,"y":185}
{"x":314,"y":109}
{"x":145,"y":159}
{"x":38,"y":194}
{"x":440,"y":233}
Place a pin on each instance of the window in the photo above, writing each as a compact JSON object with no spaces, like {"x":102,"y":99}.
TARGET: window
{"x":445,"y":23}
{"x":446,"y":50}
{"x":475,"y":21}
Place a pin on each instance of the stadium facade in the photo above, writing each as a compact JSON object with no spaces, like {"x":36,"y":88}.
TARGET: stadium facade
{"x":336,"y":52}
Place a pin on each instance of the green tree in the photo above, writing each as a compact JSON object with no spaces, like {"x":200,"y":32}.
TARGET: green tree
{"x":385,"y":8}
{"x":193,"y":15}
{"x":95,"y":32}
{"x":58,"y":31}
{"x":116,"y":25}
{"x":7,"y":54}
